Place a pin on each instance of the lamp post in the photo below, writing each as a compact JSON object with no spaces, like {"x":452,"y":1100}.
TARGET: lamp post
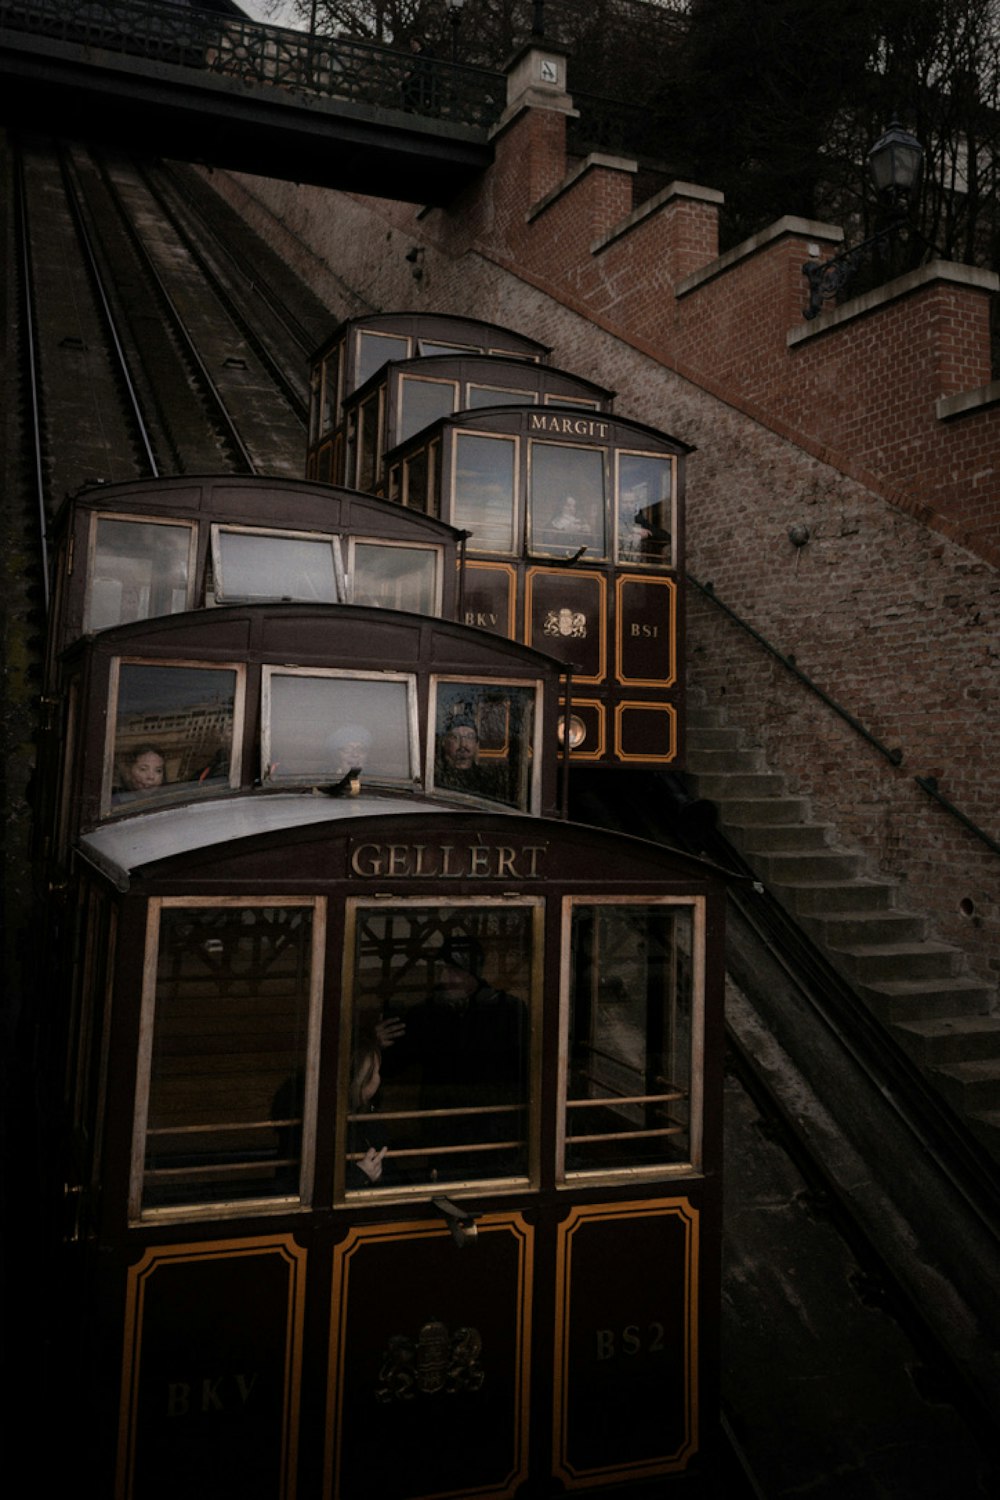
{"x":455,"y":17}
{"x":894,"y":163}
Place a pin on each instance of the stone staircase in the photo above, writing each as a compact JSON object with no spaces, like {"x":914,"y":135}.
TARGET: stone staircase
{"x":918,"y":987}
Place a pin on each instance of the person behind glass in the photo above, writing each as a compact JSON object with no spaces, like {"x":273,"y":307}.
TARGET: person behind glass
{"x":456,"y":761}
{"x":569,"y":519}
{"x":366,"y":1080}
{"x":142,"y":770}
{"x":468,"y":1043}
{"x":348,"y":748}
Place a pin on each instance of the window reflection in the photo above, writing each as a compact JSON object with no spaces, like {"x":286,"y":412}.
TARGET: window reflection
{"x":230,"y":1023}
{"x":318,"y":727}
{"x":415,"y":471}
{"x":174,"y":731}
{"x":421,"y":402}
{"x":484,"y":491}
{"x":429,"y":347}
{"x":374,"y":349}
{"x":645,"y":510}
{"x":630,"y":1036}
{"x":264,"y":565}
{"x":140,"y":570}
{"x":567,"y":499}
{"x":395,"y":577}
{"x":493,"y":395}
{"x":483,"y":741}
{"x":440,"y":1013}
{"x":368,"y":440}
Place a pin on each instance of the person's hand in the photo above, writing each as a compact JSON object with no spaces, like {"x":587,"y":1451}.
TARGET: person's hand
{"x":389,"y":1030}
{"x":371,"y":1163}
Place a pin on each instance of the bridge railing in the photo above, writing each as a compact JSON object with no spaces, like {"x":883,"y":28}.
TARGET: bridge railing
{"x":312,"y":66}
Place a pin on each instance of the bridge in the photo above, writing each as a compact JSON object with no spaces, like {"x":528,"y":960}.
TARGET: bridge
{"x":173,"y":81}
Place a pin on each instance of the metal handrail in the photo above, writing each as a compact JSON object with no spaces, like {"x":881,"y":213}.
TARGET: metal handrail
{"x":894,"y":756}
{"x":927,"y":784}
{"x":246,"y":52}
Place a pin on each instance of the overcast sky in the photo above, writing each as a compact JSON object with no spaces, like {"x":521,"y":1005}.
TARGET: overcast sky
{"x":258,"y":9}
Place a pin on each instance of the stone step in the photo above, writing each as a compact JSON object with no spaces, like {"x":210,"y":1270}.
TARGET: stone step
{"x":916,"y":987}
{"x":722,"y":788}
{"x":769,"y":838}
{"x":715,"y":761}
{"x":704,"y":716}
{"x":986,"y":1125}
{"x":713,"y":737}
{"x":951,"y":1039}
{"x":873,"y":963}
{"x":823,"y":897}
{"x":742,"y":811}
{"x":905,"y":1000}
{"x":971,"y":1086}
{"x":844,"y":929}
{"x":817,"y":864}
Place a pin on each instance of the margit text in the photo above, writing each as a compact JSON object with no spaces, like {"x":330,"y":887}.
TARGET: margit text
{"x":448,"y":861}
{"x":568,"y":426}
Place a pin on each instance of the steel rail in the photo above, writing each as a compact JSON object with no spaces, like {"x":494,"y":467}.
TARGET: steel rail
{"x":203,"y":378}
{"x":34,"y":374}
{"x":75,"y":205}
{"x":242,"y":267}
{"x":298,"y":404}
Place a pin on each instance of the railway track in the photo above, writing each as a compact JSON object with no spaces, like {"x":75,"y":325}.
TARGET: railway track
{"x":163,"y":365}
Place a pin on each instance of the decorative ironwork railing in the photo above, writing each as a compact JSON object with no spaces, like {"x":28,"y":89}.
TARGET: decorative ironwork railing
{"x":626,"y":126}
{"x":241,"y":50}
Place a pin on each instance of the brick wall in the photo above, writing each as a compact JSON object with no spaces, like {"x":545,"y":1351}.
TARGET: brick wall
{"x":886,"y":607}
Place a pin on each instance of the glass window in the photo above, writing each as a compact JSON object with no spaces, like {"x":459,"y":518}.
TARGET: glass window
{"x":484,"y":496}
{"x":319,"y":726}
{"x":484,"y":737}
{"x":369,"y":423}
{"x":529,"y":359}
{"x":374,"y":349}
{"x":429,"y":347}
{"x":645,"y":508}
{"x":555,"y":400}
{"x":421,"y":402}
{"x":333,"y":395}
{"x":567,"y":499}
{"x":438,"y":1083}
{"x":396,"y":577}
{"x":315,"y":413}
{"x":633,"y":991}
{"x":350,"y":444}
{"x":176,"y":730}
{"x":140,"y":569}
{"x":274,"y":565}
{"x":223,"y":1113}
{"x":495,"y":395}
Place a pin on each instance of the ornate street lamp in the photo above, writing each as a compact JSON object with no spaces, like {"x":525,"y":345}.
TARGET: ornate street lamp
{"x":894,"y":163}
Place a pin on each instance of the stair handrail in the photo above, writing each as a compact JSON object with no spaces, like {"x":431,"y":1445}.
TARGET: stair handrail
{"x":928,"y":784}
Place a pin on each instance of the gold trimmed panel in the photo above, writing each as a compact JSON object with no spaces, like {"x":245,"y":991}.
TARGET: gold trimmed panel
{"x":679,"y":1215}
{"x":629,"y":580}
{"x":396,"y":1257}
{"x":640,"y":707}
{"x":138,"y":1294}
